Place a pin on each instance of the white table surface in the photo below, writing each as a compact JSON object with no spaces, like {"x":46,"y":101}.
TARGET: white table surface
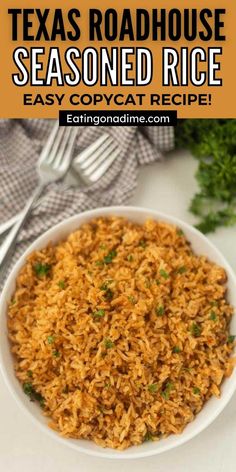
{"x":167,"y":186}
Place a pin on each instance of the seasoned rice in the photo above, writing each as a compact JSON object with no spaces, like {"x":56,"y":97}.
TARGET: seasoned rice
{"x":121,"y":332}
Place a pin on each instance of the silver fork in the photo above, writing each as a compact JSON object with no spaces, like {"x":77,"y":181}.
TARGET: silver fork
{"x":91,"y":164}
{"x":94,"y":161}
{"x":53,"y":164}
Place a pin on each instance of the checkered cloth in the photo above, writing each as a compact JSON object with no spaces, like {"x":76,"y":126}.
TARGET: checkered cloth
{"x":20,"y":144}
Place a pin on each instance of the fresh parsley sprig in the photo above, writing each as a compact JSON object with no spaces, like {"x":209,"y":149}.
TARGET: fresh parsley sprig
{"x":213,"y":142}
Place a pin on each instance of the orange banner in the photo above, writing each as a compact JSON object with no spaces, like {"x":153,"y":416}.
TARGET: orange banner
{"x":119,"y":56}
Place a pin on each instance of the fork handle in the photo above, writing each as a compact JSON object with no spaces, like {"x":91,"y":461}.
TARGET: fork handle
{"x":11,"y":238}
{"x":7,"y":225}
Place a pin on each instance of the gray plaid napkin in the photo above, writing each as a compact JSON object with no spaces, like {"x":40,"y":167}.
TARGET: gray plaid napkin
{"x":20,"y":144}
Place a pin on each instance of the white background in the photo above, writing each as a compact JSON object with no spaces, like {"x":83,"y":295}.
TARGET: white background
{"x":168,"y":187}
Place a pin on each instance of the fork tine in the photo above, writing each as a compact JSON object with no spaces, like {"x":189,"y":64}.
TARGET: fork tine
{"x":55,"y":146}
{"x":100,"y":157}
{"x":49,"y":143}
{"x":84,"y":155}
{"x":101,"y":170}
{"x":91,"y":160}
{"x":68,"y":155}
{"x":63,"y":144}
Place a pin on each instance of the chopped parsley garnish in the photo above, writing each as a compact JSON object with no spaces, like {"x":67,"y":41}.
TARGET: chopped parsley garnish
{"x":130,"y":258}
{"x":13,"y":301}
{"x":110,"y":256}
{"x":164,"y":274}
{"x":56,"y":353}
{"x":166,"y":392}
{"x":195,"y":330}
{"x":196,"y":391}
{"x":143,"y":243}
{"x":102,"y":246}
{"x":41,"y":401}
{"x":213,"y":316}
{"x":50,"y":339}
{"x":214,"y":303}
{"x":231,"y":339}
{"x":180,"y":232}
{"x":160,"y":310}
{"x":152,"y":388}
{"x":176,"y":350}
{"x":98,"y":314}
{"x":28,"y":388}
{"x":132,"y":300}
{"x":62,"y":284}
{"x":107,"y":385}
{"x":99,"y":263}
{"x":42,"y":270}
{"x":108,"y":343}
{"x":158,"y":282}
{"x":30,"y":373}
{"x":109,"y":294}
{"x":104,"y":286}
{"x":65,"y":389}
{"x":181,"y":270}
{"x":148,"y":436}
{"x":30,"y":391}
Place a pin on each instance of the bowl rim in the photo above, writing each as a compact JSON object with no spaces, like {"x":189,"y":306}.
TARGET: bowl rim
{"x":108,"y":453}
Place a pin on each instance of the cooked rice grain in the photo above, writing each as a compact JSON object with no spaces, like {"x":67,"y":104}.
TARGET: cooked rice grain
{"x":125,"y":335}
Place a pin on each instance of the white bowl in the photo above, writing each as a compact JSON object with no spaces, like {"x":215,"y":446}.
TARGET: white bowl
{"x":201,"y":245}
